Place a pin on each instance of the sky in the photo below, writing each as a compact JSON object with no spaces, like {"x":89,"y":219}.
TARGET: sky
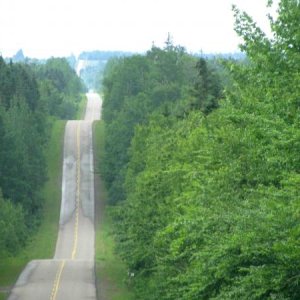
{"x":45,"y":28}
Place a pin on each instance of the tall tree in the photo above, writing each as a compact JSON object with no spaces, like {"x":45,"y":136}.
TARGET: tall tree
{"x":212,"y":201}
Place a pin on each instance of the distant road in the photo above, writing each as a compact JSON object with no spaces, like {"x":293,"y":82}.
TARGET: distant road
{"x":70,"y":275}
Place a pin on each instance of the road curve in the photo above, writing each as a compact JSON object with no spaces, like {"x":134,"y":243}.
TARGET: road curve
{"x":70,"y":274}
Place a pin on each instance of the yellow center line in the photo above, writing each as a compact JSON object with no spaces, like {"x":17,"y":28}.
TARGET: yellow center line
{"x":77,"y":194}
{"x":57,"y":280}
{"x":62,"y":264}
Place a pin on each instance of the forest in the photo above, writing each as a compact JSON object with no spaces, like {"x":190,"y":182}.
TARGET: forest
{"x":202,"y":166}
{"x":31,"y":97}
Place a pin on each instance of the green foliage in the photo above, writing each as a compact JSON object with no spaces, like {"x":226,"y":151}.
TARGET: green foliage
{"x":111,"y":271}
{"x":12,"y":228}
{"x":23,"y":137}
{"x":211,"y":195}
{"x":24,"y":166}
{"x":137,"y":86}
{"x":41,"y":244}
{"x":208,"y":89}
{"x":59,"y":88}
{"x":17,"y":80}
{"x":29,"y":94}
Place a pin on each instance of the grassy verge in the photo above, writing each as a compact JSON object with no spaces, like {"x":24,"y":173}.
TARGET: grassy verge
{"x":81,"y":108}
{"x":42,"y":244}
{"x":111,"y":272}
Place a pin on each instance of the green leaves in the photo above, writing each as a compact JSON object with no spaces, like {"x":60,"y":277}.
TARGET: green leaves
{"x":29,"y":94}
{"x":135,"y":87}
{"x":211,"y":203}
{"x":59,"y":88}
{"x":12,"y":228}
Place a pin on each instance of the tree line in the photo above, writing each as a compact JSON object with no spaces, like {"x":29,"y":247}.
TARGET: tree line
{"x":166,"y":82}
{"x":31,"y":95}
{"x":203,"y":171}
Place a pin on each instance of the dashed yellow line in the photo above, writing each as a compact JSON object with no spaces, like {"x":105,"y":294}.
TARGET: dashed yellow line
{"x":77,"y":195}
{"x":77,"y":203}
{"x":57,"y":280}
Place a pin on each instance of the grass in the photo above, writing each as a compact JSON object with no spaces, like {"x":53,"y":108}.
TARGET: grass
{"x":81,"y":108}
{"x":111,"y":272}
{"x":42,"y":244}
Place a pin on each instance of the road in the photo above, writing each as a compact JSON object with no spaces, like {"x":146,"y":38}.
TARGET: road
{"x":70,"y":275}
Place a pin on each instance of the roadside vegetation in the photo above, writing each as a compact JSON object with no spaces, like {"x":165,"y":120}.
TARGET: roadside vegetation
{"x":81,"y":108}
{"x":203,"y":179}
{"x":111,"y":272}
{"x":41,"y":244}
{"x":30,"y":158}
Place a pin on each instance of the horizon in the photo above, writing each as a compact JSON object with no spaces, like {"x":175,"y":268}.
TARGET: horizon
{"x":200,"y":53}
{"x":60,"y":28}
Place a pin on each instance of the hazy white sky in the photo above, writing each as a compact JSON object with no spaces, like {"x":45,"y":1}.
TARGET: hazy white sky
{"x":44,"y":28}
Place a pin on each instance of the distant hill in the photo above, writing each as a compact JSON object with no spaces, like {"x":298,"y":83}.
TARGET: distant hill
{"x":102,"y":55}
{"x":90,"y":66}
{"x":233,"y":55}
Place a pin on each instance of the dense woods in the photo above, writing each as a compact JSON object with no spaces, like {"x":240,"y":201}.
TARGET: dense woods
{"x":203,"y":171}
{"x":30,"y":97}
{"x":60,"y":89}
{"x":164,"y":82}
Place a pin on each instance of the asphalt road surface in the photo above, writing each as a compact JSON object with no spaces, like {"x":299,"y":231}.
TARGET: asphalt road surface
{"x":70,"y":275}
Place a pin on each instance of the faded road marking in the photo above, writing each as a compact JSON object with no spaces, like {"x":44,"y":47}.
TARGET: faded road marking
{"x":57,"y":281}
{"x":77,"y":194}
